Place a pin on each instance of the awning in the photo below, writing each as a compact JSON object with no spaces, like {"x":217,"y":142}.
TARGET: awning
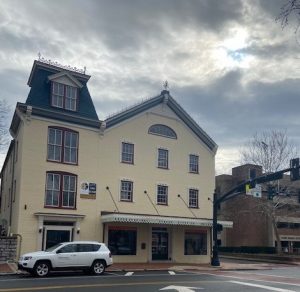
{"x":163,"y":220}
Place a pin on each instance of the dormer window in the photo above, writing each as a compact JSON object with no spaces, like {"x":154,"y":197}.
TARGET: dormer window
{"x":64,"y":96}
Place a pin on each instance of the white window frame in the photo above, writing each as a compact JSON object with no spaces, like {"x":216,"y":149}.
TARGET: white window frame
{"x":193,"y":164}
{"x":64,"y":96}
{"x":167,"y":194}
{"x":127,"y":153}
{"x":196,"y":206}
{"x":164,"y":159}
{"x":128,"y":191}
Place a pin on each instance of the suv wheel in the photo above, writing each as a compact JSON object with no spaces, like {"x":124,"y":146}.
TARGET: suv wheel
{"x":98,"y":267}
{"x":41,"y":269}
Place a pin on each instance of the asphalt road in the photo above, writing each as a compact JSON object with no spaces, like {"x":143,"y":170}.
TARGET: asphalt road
{"x":279,"y":278}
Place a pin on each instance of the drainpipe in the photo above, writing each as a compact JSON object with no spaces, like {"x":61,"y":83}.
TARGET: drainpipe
{"x":103,"y":232}
{"x":12,"y":182}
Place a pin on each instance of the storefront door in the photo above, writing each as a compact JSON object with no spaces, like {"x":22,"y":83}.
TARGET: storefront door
{"x":160,"y":244}
{"x":56,"y":234}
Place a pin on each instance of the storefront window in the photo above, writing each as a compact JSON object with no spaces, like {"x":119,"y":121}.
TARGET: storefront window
{"x":122,"y":241}
{"x":195,"y":243}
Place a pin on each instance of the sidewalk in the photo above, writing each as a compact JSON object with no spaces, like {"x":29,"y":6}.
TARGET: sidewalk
{"x":11,"y":268}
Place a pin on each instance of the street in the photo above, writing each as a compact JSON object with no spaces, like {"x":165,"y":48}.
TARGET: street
{"x":282,"y":278}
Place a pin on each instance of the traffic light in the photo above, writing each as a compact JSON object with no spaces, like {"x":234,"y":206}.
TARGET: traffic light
{"x":219,"y":227}
{"x":294,"y":165}
{"x":271,"y":192}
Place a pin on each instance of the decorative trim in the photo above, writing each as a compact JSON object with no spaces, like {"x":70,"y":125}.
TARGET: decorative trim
{"x":148,"y":219}
{"x":59,"y":215}
{"x":61,"y":116}
{"x":63,"y":73}
{"x":56,"y":64}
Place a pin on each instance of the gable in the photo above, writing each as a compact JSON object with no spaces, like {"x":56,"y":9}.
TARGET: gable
{"x":163,"y":105}
{"x":66,"y":79}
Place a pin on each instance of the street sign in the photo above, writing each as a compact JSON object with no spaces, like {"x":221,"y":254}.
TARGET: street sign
{"x":256,"y":192}
{"x":248,"y":192}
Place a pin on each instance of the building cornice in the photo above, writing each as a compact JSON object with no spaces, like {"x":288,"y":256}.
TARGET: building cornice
{"x":60,"y":116}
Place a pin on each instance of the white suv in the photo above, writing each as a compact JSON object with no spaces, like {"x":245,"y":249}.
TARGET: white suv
{"x":90,"y":256}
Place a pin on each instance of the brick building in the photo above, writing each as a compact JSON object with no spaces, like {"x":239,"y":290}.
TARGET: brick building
{"x":252,"y":226}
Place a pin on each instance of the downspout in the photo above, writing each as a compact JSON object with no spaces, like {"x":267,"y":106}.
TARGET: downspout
{"x":103,"y":232}
{"x":12,"y":182}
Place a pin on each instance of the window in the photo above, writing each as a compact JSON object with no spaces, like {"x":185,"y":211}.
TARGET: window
{"x":62,"y":145}
{"x":162,"y":195}
{"x":193,"y":198}
{"x":127,"y":153}
{"x":195,"y":242}
{"x":68,"y":248}
{"x":88,"y":247}
{"x":122,"y":240}
{"x":194,"y":163}
{"x":163,"y":158}
{"x":64,"y":96}
{"x":126,"y":190}
{"x":162,"y":130}
{"x":60,"y":190}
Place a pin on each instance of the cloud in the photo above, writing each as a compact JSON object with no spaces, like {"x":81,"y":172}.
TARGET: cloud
{"x":228,"y":63}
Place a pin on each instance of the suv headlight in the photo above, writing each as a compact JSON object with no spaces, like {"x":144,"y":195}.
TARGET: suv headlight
{"x":27,"y":258}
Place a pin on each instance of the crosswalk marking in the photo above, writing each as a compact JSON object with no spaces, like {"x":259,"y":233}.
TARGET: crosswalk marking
{"x":262,"y":286}
{"x":129,"y":274}
{"x":172,"y":273}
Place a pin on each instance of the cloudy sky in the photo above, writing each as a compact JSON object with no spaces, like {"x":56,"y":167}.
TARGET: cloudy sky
{"x":228,"y":62}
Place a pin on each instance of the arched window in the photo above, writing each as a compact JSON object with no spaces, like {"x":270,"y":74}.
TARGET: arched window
{"x":162,"y":130}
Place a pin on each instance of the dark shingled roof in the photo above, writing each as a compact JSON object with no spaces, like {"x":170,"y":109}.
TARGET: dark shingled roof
{"x":39,"y":95}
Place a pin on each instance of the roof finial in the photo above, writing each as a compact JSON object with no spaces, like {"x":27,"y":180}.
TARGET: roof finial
{"x":39,"y":55}
{"x":166,"y":85}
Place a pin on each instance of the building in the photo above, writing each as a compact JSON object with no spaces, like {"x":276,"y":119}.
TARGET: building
{"x":139,"y":180}
{"x":252,"y":226}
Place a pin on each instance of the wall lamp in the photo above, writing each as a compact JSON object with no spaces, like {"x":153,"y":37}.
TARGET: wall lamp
{"x":78,"y":230}
{"x":40,"y":229}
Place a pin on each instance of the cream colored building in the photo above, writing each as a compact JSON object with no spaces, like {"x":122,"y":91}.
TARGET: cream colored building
{"x":140,"y":181}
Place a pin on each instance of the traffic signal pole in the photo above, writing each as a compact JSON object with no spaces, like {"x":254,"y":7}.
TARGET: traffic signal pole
{"x":238,"y":190}
{"x":215,"y":258}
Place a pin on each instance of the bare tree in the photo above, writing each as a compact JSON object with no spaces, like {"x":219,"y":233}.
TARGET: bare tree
{"x":272,"y":150}
{"x":290,"y":8}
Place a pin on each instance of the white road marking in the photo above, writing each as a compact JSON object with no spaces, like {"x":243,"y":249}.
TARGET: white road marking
{"x":129,"y":274}
{"x":172,"y":273}
{"x":262,"y":286}
{"x":180,"y":288}
{"x":248,"y":279}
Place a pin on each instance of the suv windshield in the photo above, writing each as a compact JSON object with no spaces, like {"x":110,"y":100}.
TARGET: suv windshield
{"x":53,"y":247}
